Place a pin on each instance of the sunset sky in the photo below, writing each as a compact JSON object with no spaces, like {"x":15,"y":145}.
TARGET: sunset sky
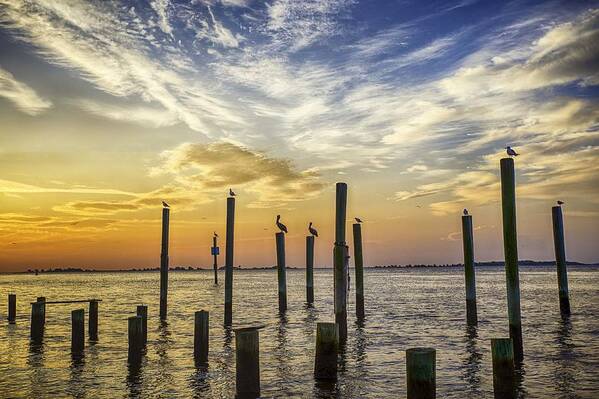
{"x":109,"y":107}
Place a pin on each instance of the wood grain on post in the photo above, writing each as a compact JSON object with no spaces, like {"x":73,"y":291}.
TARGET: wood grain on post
{"x":504,"y":382}
{"x":281,"y":271}
{"x":421,"y":373}
{"x":135,"y":335}
{"x":77,"y":331}
{"x":142,"y":311}
{"x":247,"y":362}
{"x":12,"y":308}
{"x":560,"y":259}
{"x":201,"y":337}
{"x":359,"y":270}
{"x":340,"y":253}
{"x":229,"y":261}
{"x":469,"y":274}
{"x":37,"y":321}
{"x":310,"y":269}
{"x":164,"y":263}
{"x":510,"y":246}
{"x":93,"y":321}
{"x":325,"y":358}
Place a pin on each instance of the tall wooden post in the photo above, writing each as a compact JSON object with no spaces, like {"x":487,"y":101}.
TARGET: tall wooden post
{"x":325,"y":358}
{"x":340,"y":253}
{"x":37,"y":321}
{"x":142,"y":311}
{"x":92,"y":325}
{"x":510,"y":247}
{"x":310,"y":269}
{"x":12,"y":308}
{"x":502,"y":354}
{"x":164,"y":263}
{"x":281,"y":271}
{"x":77,"y":331}
{"x":215,"y":256}
{"x":247,"y":362}
{"x":42,"y":300}
{"x":468,"y":241}
{"x":560,"y":259}
{"x":359,"y":270}
{"x":229,"y":261}
{"x":135,"y":340}
{"x":200,"y":338}
{"x":421,"y":373}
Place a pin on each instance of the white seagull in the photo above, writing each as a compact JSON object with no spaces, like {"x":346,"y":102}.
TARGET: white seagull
{"x":312,"y":230}
{"x":280,"y":225}
{"x":231,"y":193}
{"x":510,"y":151}
{"x":164,"y":204}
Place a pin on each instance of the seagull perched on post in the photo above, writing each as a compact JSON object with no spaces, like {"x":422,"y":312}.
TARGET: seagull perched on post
{"x":560,"y":203}
{"x":215,"y":235}
{"x":164,"y":204}
{"x":280,"y":225}
{"x":358,"y":220}
{"x":312,"y":230}
{"x":231,"y":193}
{"x":465,"y":212}
{"x":511,"y":152}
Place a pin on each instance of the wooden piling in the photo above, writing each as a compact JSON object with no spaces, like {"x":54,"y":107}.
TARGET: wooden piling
{"x":42,"y":299}
{"x":504,"y":382}
{"x":510,"y":245}
{"x":310,"y":269}
{"x":77,"y":331}
{"x":215,"y":256}
{"x":340,"y":253}
{"x":164,"y":263}
{"x":359,"y":270}
{"x":93,"y":321}
{"x":325,"y":358}
{"x":281,"y":271}
{"x":229,"y":261}
{"x":37,"y":321}
{"x":421,"y":373}
{"x":247,"y":362}
{"x":142,"y":311}
{"x":469,"y":274}
{"x":135,"y":335}
{"x":560,"y":259}
{"x":200,"y":338}
{"x":12,"y":308}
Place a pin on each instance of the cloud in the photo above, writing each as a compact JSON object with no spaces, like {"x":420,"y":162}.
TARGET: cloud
{"x":21,"y":95}
{"x":144,"y":115}
{"x":9,"y":186}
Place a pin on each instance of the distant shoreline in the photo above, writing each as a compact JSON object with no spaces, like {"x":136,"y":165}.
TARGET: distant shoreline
{"x":193,"y":269}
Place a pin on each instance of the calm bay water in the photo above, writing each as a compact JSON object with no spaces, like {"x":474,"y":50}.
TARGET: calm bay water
{"x":405,"y":308}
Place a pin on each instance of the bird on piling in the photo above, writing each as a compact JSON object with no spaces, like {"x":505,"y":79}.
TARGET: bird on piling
{"x":215,"y":235}
{"x":312,"y":230}
{"x":560,"y":203}
{"x":465,"y":212}
{"x":358,"y":220}
{"x":510,"y":151}
{"x":280,"y":225}
{"x":164,"y":204}
{"x":231,"y":193}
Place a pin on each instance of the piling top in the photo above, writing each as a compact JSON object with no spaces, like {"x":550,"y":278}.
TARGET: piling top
{"x":420,"y":351}
{"x":249,"y":328}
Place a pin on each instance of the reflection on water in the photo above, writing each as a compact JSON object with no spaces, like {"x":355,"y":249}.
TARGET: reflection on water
{"x":418,"y":307}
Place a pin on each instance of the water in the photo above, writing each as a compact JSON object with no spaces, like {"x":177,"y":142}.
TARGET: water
{"x":405,"y":308}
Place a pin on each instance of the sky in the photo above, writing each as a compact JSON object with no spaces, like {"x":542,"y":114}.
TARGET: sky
{"x":109,"y":107}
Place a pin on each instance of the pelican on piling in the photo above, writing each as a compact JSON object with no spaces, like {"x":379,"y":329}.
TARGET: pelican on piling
{"x":312,"y":230}
{"x":280,"y":225}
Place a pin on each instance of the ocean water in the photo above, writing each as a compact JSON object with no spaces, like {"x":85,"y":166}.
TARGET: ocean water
{"x":404,"y":308}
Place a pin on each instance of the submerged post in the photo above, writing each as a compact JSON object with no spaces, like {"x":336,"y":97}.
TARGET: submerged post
{"x":468,"y":241}
{"x":340,"y":253}
{"x":421,"y":373}
{"x":164,"y":263}
{"x":325,"y":358}
{"x":504,"y":383}
{"x":77,"y":331}
{"x":215,"y":256}
{"x":247,"y":362}
{"x":310,"y":269}
{"x":135,"y":340}
{"x":229,"y":261}
{"x":200,"y":338}
{"x":142,"y":311}
{"x":12,"y":308}
{"x":281,"y":271}
{"x":560,"y":259}
{"x":510,"y":247}
{"x":37,"y":321}
{"x":93,"y":321}
{"x":359,"y":270}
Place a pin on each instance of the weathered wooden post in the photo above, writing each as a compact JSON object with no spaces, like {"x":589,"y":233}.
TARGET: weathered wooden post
{"x":77,"y":331}
{"x":164,"y":263}
{"x":359,"y":270}
{"x":229,"y":261}
{"x":200,"y":338}
{"x":310,"y":269}
{"x":247,"y":362}
{"x":142,"y":311}
{"x":340,"y":253}
{"x":327,"y":344}
{"x":560,"y":259}
{"x":281,"y":271}
{"x":12,"y":308}
{"x":215,"y":250}
{"x":421,"y":373}
{"x":37,"y":321}
{"x":504,"y":382}
{"x":135,"y":340}
{"x":93,"y":320}
{"x":510,"y":247}
{"x":469,"y":275}
{"x":42,"y":300}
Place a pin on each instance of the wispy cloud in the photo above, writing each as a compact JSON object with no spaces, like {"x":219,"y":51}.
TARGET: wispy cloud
{"x":21,"y":95}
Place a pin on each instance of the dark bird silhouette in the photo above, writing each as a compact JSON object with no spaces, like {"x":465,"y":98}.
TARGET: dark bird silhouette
{"x":560,"y":203}
{"x":312,"y":230}
{"x":465,"y":212}
{"x":510,"y":151}
{"x":231,"y":193}
{"x":164,"y":204}
{"x":215,"y":235}
{"x":358,"y":220}
{"x":280,"y":225}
